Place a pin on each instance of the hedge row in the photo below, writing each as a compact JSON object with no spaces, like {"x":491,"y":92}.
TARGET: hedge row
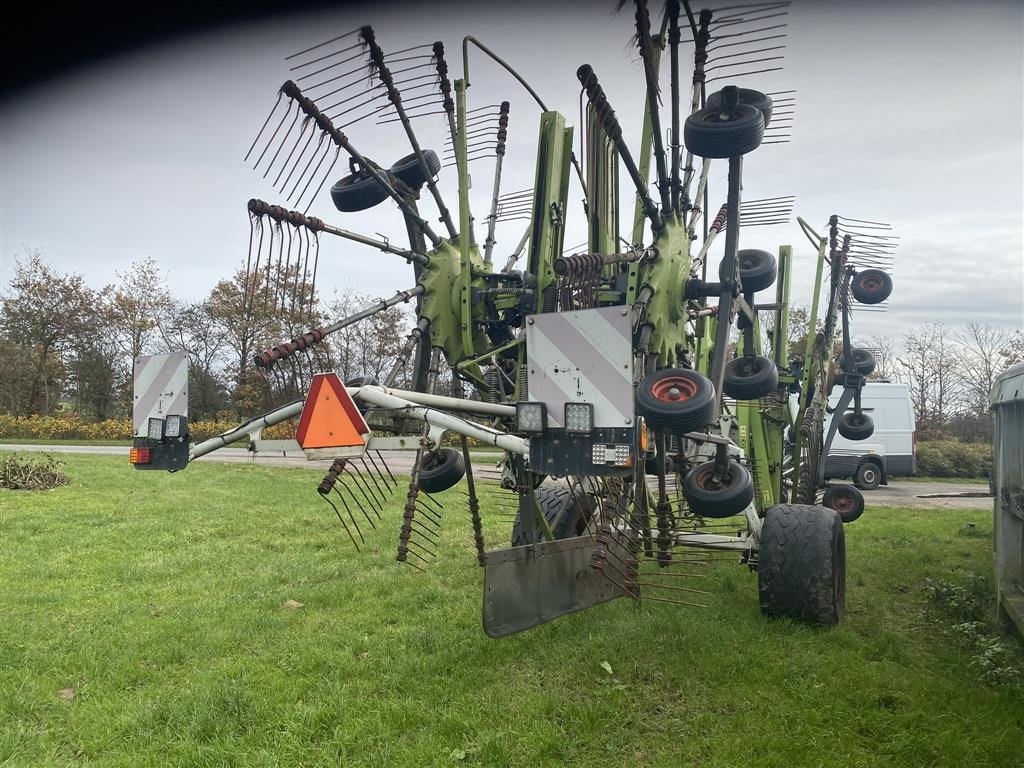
{"x":70,"y":426}
{"x":951,"y":458}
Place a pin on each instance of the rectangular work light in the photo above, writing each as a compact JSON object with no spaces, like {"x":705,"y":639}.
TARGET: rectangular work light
{"x":155,"y":430}
{"x":175,"y":426}
{"x":531,"y":417}
{"x":579,"y":418}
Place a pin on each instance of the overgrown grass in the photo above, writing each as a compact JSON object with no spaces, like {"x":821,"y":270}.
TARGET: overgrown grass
{"x":144,"y":625}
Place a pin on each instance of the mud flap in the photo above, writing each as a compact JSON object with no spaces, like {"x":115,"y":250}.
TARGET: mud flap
{"x":531,"y":585}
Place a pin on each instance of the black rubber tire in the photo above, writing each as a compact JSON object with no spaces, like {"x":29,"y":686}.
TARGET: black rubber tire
{"x":651,"y":465}
{"x":801,"y":571}
{"x":868,"y":476}
{"x":362,"y":380}
{"x":441,"y":470}
{"x":725,"y":501}
{"x":707,"y":135}
{"x":871,"y":286}
{"x":856,"y":426}
{"x":750,"y":377}
{"x":552,"y":499}
{"x":691,"y":411}
{"x":357,"y":192}
{"x":846,"y":500}
{"x":758,"y":269}
{"x":863,"y":361}
{"x":749,"y":96}
{"x":409,"y":171}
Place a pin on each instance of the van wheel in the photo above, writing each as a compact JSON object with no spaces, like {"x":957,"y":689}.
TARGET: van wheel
{"x":868,"y":476}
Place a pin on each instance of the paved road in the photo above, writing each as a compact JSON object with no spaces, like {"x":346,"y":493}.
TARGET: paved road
{"x":398,"y":461}
{"x":899,"y":493}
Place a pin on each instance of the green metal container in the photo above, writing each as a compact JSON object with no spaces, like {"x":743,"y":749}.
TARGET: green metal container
{"x":1007,"y":402}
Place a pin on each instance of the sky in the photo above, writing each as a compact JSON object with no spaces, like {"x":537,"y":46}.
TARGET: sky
{"x":908,"y":113}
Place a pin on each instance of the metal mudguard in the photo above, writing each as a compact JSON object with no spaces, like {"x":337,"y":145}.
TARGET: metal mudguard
{"x":531,"y":585}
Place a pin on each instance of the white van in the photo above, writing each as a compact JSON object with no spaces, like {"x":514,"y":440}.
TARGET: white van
{"x":890,"y":451}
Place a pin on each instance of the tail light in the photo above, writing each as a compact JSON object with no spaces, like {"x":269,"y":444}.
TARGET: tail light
{"x":139,"y":456}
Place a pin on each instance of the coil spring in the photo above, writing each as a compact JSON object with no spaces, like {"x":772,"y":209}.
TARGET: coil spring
{"x":522,"y":381}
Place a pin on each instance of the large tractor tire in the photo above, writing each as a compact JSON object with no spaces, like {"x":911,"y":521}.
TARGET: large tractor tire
{"x":801,"y":572}
{"x":567,"y":511}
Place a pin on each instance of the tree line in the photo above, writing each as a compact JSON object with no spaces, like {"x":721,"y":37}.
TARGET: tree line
{"x":67,"y":345}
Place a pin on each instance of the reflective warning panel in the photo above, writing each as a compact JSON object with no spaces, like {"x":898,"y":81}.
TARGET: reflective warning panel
{"x":330,"y":418}
{"x":160,"y":390}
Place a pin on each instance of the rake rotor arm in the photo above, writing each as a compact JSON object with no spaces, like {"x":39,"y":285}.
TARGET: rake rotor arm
{"x":379,"y":397}
{"x":610,"y":123}
{"x":282,"y":215}
{"x":377,"y":57}
{"x":643,"y":32}
{"x":268,"y":357}
{"x":291,"y":90}
{"x":276,"y":416}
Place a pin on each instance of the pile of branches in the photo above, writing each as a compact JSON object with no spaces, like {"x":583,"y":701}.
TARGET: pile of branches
{"x":31,"y":472}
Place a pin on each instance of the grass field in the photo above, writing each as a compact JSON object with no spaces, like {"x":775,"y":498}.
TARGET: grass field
{"x":144,"y":623}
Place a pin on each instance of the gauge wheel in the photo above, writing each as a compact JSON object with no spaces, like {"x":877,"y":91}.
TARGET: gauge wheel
{"x":758,"y":269}
{"x":441,"y":470}
{"x":856,"y":426}
{"x":749,"y":96}
{"x":712,"y":133}
{"x":708,"y":497}
{"x":750,"y":377}
{"x":844,"y":499}
{"x":676,"y":400}
{"x":871,"y":286}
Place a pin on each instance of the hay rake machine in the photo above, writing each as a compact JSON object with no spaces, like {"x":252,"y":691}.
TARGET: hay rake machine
{"x":640,"y":441}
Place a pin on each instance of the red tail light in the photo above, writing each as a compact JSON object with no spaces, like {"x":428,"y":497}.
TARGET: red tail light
{"x":139,"y":456}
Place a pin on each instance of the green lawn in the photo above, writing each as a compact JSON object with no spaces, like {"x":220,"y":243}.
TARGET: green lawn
{"x":158,"y":599}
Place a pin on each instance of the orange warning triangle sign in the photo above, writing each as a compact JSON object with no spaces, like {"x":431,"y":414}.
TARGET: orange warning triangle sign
{"x":329,"y":417}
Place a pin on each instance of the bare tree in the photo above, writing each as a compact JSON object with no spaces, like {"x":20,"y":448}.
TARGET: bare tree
{"x":980,"y":361}
{"x":929,"y":366}
{"x":371,"y":346}
{"x":884,"y":350}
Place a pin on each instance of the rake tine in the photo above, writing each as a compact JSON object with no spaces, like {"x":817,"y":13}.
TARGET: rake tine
{"x":270,"y":142}
{"x":298,"y":141}
{"x":319,"y":144}
{"x":321,"y":45}
{"x":288,"y":178}
{"x":342,"y":520}
{"x":308,"y":75}
{"x":284,"y":140}
{"x":373,"y":477}
{"x":423,"y":548}
{"x":322,"y":58}
{"x":323,"y":180}
{"x":349,"y":510}
{"x":316,"y":171}
{"x":362,"y":492}
{"x":392,"y":483}
{"x":262,"y":129}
